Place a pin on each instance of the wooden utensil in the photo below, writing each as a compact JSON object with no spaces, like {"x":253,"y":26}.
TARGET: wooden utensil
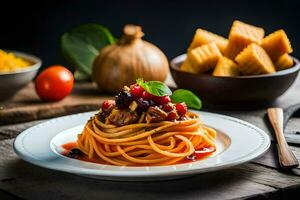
{"x":287,"y":159}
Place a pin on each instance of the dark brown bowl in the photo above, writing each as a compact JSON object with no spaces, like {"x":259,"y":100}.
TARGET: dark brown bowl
{"x":235,"y":91}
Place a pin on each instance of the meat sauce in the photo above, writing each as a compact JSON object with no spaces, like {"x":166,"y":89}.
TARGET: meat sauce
{"x":71,"y":151}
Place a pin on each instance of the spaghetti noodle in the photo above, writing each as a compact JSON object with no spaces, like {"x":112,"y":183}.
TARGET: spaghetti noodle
{"x":144,"y":143}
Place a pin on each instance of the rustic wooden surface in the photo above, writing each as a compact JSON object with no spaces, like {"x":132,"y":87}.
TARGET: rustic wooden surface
{"x":259,"y":179}
{"x":26,"y":105}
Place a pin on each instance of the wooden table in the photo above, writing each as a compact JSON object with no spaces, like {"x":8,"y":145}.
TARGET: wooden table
{"x":259,"y":179}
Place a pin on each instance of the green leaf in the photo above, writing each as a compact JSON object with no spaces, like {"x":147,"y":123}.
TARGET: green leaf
{"x":190,"y":99}
{"x":155,"y":88}
{"x":82,"y":44}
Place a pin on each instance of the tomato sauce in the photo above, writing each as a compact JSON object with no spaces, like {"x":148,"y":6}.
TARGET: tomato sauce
{"x":199,"y":155}
{"x":72,"y":145}
{"x":69,"y":146}
{"x":196,"y":156}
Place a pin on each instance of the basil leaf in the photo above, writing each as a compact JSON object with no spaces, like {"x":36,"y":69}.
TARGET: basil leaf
{"x":82,"y":44}
{"x":190,"y":99}
{"x":155,"y":88}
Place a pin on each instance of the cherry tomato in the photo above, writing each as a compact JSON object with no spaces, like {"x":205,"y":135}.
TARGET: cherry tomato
{"x":107,"y":104}
{"x":146,"y":95}
{"x":162,"y":100}
{"x":181,"y":108}
{"x":171,"y":116}
{"x":167,"y":107}
{"x":136,"y":91}
{"x":54,"y":83}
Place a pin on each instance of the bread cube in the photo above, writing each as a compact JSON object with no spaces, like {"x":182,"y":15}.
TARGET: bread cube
{"x":254,"y":60}
{"x":226,"y":67}
{"x":202,"y":37}
{"x":204,"y":58}
{"x":284,"y":62}
{"x":186,"y":66}
{"x":240,"y":36}
{"x":277,"y":44}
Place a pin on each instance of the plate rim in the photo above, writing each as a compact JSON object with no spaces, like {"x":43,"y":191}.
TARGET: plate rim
{"x":263,"y":147}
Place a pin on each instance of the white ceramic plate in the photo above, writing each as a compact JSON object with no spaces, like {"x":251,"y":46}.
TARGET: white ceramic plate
{"x":237,"y":142}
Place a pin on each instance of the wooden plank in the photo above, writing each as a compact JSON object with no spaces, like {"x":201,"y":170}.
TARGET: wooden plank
{"x":270,"y":159}
{"x":26,"y":106}
{"x":11,"y":131}
{"x":270,"y":177}
{"x":7,"y":196}
{"x":244,"y":181}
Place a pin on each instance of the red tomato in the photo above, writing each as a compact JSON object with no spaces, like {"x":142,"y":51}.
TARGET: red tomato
{"x":147,"y":95}
{"x":162,"y":100}
{"x":136,"y":91}
{"x":181,"y":108}
{"x":54,"y":83}
{"x":107,"y":104}
{"x":171,"y":116}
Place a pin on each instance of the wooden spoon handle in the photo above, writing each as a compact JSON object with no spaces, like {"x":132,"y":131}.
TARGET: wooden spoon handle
{"x":287,"y":159}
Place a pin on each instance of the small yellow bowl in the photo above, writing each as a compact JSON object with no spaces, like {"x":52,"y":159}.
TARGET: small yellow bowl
{"x":11,"y":82}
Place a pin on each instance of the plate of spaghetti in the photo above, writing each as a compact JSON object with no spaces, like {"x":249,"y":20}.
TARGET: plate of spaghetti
{"x":145,"y":133}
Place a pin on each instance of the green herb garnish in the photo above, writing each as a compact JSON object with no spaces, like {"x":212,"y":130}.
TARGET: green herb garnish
{"x":190,"y":99}
{"x":158,"y":88}
{"x":82,"y":44}
{"x":155,"y":88}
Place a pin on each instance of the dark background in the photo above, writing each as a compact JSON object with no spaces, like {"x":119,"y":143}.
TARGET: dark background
{"x":36,"y":26}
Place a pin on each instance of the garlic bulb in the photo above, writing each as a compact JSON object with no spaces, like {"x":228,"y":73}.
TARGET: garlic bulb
{"x":129,"y":59}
